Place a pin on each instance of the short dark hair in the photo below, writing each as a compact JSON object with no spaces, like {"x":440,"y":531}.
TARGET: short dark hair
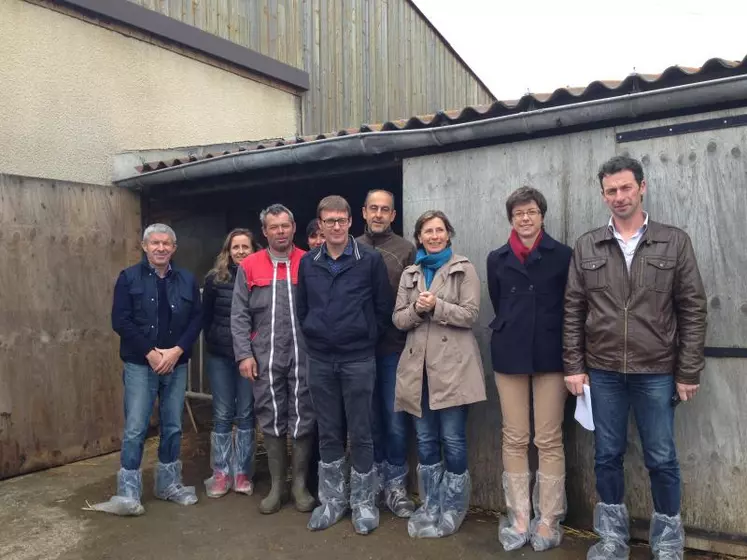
{"x":618,"y":164}
{"x":524,"y":195}
{"x":429,"y":215}
{"x":369,"y":193}
{"x":333,"y":203}
{"x":312,"y":228}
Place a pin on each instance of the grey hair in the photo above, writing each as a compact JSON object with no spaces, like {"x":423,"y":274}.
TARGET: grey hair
{"x":158,"y":228}
{"x":275,"y":210}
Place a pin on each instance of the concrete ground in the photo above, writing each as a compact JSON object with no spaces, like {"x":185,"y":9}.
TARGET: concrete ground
{"x":41,"y":518}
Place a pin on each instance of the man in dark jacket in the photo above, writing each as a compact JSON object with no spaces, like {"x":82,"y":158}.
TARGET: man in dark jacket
{"x":389,"y":427}
{"x":344,"y":303}
{"x":634,"y":326}
{"x":157,"y":315}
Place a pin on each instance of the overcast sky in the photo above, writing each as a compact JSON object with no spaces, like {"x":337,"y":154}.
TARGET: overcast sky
{"x":541,"y":45}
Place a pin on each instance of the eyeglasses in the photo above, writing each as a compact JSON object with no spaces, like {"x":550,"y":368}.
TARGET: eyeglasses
{"x":332,"y":222}
{"x":533,"y":213}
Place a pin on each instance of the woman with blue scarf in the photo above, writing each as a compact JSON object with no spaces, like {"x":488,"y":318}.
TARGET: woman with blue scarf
{"x":440,"y":371}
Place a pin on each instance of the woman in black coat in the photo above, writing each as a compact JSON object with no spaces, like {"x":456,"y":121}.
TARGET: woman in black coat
{"x":526,"y":282}
{"x":232,"y":459}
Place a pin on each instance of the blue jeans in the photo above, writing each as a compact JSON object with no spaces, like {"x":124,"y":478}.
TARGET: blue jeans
{"x":444,"y":429}
{"x":650,"y":396}
{"x":343,"y":391}
{"x":141,"y":387}
{"x":389,"y":427}
{"x":233,"y":397}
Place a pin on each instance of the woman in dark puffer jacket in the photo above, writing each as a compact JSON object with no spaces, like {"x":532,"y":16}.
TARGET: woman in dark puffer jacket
{"x":232,"y":459}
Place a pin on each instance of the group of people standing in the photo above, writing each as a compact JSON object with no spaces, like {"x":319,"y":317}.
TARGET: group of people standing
{"x":354,"y":340}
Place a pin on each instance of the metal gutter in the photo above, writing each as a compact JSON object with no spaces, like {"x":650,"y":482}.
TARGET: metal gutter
{"x":630,"y":106}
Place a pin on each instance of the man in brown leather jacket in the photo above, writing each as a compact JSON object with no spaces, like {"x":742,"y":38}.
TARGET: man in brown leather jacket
{"x":634,"y":329}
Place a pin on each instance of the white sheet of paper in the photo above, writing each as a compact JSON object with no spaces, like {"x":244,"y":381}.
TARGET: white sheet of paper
{"x":583,"y":409}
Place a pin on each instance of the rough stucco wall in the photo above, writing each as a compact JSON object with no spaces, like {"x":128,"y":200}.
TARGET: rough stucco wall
{"x":697,"y":182}
{"x":74,"y":94}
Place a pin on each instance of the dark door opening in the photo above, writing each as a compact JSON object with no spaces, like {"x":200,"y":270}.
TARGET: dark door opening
{"x":201,"y":221}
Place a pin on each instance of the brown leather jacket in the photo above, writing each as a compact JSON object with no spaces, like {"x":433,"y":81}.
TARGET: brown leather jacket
{"x":398,"y":253}
{"x":651,"y":320}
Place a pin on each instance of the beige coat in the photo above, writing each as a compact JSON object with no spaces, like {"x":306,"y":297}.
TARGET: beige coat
{"x":441,"y":341}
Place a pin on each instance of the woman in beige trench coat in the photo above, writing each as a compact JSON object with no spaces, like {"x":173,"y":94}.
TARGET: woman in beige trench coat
{"x":440,"y":371}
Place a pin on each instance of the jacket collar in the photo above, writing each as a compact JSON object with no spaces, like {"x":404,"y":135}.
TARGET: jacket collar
{"x":454,"y":264}
{"x":352,"y":246}
{"x":382,"y":237}
{"x":655,"y":233}
{"x":148,"y":267}
{"x":547,"y":243}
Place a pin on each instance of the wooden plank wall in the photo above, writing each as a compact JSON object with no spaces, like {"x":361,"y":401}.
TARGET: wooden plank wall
{"x":369,"y":60}
{"x":697,"y":182}
{"x":61,"y":248}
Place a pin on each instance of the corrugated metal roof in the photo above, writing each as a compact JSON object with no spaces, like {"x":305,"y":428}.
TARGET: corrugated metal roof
{"x":601,"y":89}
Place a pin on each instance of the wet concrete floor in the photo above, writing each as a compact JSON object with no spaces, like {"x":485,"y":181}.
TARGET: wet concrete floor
{"x":41,"y":518}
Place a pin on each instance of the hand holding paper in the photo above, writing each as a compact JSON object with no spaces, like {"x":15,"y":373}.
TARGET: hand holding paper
{"x":583,"y":413}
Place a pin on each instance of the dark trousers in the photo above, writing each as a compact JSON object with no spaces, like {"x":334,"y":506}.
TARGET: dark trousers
{"x":389,"y":427}
{"x":340,"y":392}
{"x":650,"y":396}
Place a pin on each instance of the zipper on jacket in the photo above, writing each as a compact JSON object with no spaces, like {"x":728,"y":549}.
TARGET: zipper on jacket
{"x":157,"y":317}
{"x":625,"y":340}
{"x":628,"y":294}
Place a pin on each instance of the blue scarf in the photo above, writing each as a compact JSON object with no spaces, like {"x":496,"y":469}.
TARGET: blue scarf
{"x":431,"y":263}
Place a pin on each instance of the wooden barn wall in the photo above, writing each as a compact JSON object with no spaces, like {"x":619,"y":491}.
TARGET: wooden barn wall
{"x":369,"y":60}
{"x":61,"y":248}
{"x":698,"y":182}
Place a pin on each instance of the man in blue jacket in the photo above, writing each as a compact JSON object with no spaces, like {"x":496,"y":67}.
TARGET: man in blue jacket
{"x":344,"y":304}
{"x":157,"y":314}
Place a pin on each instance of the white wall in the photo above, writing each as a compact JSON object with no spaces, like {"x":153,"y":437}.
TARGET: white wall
{"x":72,"y":94}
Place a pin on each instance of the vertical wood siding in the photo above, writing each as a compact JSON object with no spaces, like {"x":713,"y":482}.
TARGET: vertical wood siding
{"x":369,"y":61}
{"x":697,"y":182}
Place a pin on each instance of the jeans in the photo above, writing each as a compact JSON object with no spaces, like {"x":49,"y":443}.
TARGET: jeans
{"x":141,"y":387}
{"x":442,"y":429}
{"x":232,"y":395}
{"x":344,"y":391}
{"x":650,"y":396}
{"x":389,"y":427}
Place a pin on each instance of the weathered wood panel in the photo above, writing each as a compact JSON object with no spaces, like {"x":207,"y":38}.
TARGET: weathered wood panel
{"x":61,"y":248}
{"x":696,"y":181}
{"x":369,"y":61}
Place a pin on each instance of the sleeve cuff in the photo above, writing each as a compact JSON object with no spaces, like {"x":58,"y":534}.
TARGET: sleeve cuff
{"x":414,"y":317}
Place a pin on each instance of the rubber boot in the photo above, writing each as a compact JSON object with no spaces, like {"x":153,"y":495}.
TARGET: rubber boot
{"x":302,"y":451}
{"x":277,"y":459}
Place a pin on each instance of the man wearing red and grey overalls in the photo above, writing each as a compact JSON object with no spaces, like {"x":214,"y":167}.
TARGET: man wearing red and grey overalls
{"x":269,"y":349}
